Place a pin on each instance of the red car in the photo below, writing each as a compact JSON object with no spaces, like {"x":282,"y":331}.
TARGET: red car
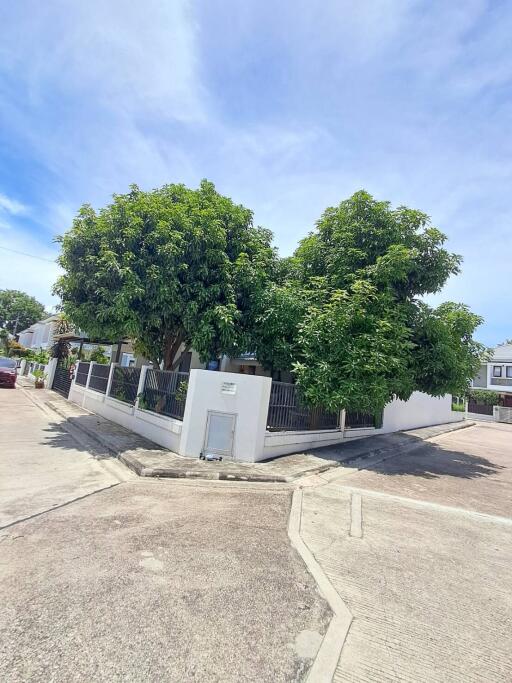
{"x":8,"y":372}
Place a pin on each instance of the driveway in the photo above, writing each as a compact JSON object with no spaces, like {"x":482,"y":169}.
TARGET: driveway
{"x":419,"y":547}
{"x":108,"y":577}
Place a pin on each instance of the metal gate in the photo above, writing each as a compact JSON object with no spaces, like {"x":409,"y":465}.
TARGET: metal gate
{"x":62,"y":379}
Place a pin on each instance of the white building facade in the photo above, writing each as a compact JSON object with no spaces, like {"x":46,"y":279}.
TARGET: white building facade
{"x":40,"y":334}
{"x":496,"y":374}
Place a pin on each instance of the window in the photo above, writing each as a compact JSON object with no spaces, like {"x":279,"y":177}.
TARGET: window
{"x":496,"y":371}
{"x":509,"y":371}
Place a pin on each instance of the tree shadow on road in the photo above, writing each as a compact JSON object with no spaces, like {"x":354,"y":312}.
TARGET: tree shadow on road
{"x":402,"y":454}
{"x":430,"y":461}
{"x":111,"y":441}
{"x":60,"y":435}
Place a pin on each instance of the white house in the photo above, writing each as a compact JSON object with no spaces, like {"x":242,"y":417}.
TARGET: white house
{"x":40,"y":334}
{"x":496,"y":374}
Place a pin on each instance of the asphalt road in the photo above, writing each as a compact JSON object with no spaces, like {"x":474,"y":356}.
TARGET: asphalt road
{"x":107,"y":577}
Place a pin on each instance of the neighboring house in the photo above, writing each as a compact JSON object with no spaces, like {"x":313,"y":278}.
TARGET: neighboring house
{"x":496,"y":374}
{"x":40,"y":334}
{"x":245,"y":364}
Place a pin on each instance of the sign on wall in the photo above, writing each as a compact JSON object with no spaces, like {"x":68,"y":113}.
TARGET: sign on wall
{"x":228,"y":388}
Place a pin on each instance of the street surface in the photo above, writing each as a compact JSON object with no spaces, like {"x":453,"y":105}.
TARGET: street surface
{"x":115,"y":578}
{"x":419,"y":547}
{"x":105,"y":576}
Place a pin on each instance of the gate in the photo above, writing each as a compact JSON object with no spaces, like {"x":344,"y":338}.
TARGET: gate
{"x":62,"y":379}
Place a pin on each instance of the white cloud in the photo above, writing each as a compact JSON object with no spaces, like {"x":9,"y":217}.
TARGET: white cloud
{"x":287,"y":107}
{"x":12,"y":206}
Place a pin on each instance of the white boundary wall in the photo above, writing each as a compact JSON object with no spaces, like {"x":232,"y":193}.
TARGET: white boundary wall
{"x":247,"y":397}
{"x":421,"y":410}
{"x":165,"y":431}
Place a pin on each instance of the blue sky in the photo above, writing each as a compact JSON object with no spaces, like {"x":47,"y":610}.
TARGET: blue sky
{"x":289,"y":107}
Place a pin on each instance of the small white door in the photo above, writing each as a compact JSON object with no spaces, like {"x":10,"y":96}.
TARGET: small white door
{"x":220,"y":433}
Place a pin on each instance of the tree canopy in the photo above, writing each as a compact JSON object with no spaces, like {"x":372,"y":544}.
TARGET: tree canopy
{"x":356,"y":330}
{"x":347,"y":314}
{"x":19,"y":310}
{"x":169,"y":267}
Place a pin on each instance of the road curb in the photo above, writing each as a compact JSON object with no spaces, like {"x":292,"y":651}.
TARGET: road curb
{"x":326,"y":660}
{"x":360,"y":460}
{"x":169,"y":473}
{"x":130,"y":461}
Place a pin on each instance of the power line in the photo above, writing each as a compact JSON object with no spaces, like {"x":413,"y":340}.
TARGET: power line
{"x":23,"y":253}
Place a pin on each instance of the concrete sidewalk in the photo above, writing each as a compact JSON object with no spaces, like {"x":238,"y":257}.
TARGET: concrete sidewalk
{"x":150,"y":460}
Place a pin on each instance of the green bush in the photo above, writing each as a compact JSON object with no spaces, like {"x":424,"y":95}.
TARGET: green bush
{"x":482,"y":397}
{"x":38,"y":356}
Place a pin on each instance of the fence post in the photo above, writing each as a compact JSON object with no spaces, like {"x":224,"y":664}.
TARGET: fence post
{"x":92,"y":364}
{"x":343,"y":416}
{"x":142,"y":382}
{"x":466,"y":403}
{"x":110,"y":378}
{"x":51,"y":367}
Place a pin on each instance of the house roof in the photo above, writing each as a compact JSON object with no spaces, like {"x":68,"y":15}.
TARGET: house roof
{"x":502,"y":354}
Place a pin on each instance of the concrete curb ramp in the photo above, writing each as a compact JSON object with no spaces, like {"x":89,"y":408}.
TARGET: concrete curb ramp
{"x":202,"y":471}
{"x":324,"y":665}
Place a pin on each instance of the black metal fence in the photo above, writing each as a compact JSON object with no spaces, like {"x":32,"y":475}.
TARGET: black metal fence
{"x":165,"y":393}
{"x":358,"y":420}
{"x":125,"y":382}
{"x":287,"y":413}
{"x":480,"y":408}
{"x":99,"y":378}
{"x":82,"y":372}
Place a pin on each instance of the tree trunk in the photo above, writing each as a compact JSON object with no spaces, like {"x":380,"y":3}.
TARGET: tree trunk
{"x":172,"y":343}
{"x":178,"y":359}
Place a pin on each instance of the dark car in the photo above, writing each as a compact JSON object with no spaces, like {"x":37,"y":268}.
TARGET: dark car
{"x":8,"y":372}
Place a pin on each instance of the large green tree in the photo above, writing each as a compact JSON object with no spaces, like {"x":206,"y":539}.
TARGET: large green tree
{"x":18,"y":310}
{"x":356,"y":330}
{"x":167,"y":268}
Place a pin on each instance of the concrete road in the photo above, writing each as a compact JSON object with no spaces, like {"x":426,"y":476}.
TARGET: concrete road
{"x":41,"y":464}
{"x":112,"y":578}
{"x":419,"y":547}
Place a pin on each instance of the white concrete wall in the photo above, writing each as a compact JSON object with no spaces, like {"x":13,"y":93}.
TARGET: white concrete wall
{"x":248,"y":399}
{"x":421,"y":410}
{"x":478,"y":416}
{"x":162,"y":430}
{"x":282,"y":443}
{"x":249,"y":404}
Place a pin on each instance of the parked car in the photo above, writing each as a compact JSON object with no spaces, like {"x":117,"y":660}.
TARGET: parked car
{"x":8,"y":372}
